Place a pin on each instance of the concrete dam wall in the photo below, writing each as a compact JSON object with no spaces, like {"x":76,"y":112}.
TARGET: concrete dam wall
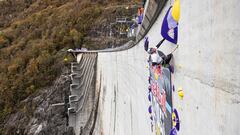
{"x":206,"y":69}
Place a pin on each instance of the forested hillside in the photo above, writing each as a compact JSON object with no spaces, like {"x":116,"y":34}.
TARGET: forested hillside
{"x":34,"y":37}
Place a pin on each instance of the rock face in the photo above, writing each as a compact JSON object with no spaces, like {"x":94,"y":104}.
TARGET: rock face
{"x":39,"y":116}
{"x":34,"y":35}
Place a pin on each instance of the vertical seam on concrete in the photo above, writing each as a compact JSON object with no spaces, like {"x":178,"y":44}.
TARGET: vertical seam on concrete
{"x":115,"y":108}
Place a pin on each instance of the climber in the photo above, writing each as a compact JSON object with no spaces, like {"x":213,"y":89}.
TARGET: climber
{"x":146,"y":44}
{"x":156,"y":56}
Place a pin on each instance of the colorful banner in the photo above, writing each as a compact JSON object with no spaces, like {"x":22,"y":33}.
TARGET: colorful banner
{"x":160,"y":97}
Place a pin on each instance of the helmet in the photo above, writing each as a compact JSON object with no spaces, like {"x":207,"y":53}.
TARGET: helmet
{"x":152,"y":50}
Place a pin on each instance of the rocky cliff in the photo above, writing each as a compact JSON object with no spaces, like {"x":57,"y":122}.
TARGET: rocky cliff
{"x":34,"y":37}
{"x":38,"y":115}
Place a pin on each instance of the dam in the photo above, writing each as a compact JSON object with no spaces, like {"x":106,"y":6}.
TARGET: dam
{"x":110,"y":88}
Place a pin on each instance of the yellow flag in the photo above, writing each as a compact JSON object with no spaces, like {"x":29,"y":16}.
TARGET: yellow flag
{"x":176,"y":10}
{"x":156,"y":76}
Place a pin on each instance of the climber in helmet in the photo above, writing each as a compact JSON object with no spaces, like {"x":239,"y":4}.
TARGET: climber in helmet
{"x":156,"y":56}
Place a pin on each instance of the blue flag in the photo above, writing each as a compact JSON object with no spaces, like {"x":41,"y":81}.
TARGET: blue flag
{"x":170,"y":27}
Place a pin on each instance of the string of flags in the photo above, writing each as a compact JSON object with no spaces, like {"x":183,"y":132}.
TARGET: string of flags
{"x":161,"y":107}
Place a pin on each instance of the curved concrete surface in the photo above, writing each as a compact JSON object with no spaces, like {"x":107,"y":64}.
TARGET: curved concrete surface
{"x":206,"y":66}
